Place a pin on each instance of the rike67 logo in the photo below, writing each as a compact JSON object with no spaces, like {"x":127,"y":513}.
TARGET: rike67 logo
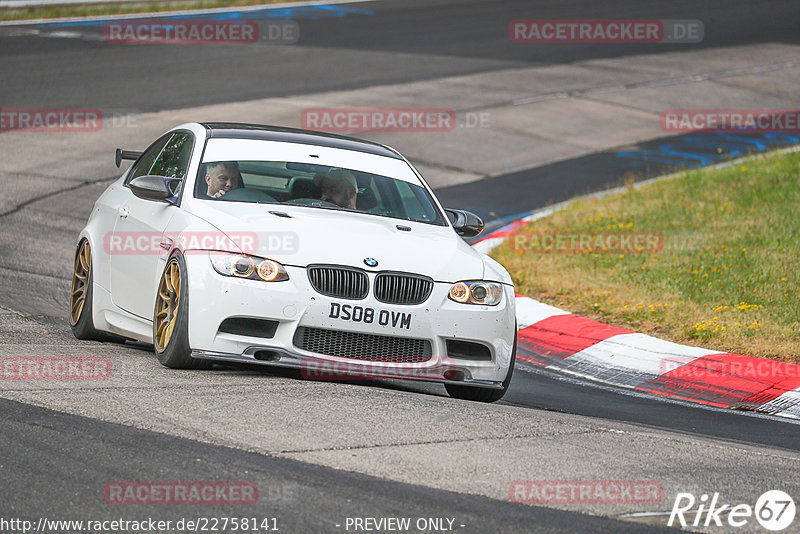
{"x":774,"y":510}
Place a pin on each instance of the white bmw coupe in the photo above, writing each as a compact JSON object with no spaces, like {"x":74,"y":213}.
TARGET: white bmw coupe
{"x":268,"y":245}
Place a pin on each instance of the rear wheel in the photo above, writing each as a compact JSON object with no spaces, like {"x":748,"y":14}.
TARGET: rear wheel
{"x":170,"y":319}
{"x":480,"y":394}
{"x":80,"y":298}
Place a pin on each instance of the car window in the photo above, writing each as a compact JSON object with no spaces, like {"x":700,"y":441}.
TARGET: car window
{"x":173,"y":160}
{"x":145,"y":161}
{"x":416,"y":207}
{"x":319,"y":186}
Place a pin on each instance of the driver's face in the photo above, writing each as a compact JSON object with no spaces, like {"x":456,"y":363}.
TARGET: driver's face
{"x":221,"y":180}
{"x":339,"y":192}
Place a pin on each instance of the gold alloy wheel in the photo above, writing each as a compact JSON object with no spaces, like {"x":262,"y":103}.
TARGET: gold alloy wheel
{"x":80,"y":282}
{"x":169,"y":294}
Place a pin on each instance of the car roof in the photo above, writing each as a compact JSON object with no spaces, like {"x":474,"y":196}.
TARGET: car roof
{"x":235,"y":130}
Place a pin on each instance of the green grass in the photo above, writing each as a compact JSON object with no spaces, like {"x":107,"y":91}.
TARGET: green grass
{"x":728,"y":276}
{"x":88,"y":10}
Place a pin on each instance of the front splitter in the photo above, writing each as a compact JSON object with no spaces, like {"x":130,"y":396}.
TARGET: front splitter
{"x":313,"y":368}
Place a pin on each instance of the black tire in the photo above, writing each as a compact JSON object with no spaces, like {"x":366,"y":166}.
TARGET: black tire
{"x":83,"y":328}
{"x":177,"y":353}
{"x":479,"y":394}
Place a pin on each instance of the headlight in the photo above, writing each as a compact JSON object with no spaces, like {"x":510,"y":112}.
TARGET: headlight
{"x":485,"y":293}
{"x":250,"y":267}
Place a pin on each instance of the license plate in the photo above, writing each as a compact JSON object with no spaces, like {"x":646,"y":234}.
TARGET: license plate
{"x":366,"y":315}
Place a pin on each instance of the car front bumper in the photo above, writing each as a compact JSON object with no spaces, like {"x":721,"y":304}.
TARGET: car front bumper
{"x":294,"y":304}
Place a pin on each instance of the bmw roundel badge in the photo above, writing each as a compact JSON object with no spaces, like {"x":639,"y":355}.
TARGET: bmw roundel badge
{"x":370,"y":262}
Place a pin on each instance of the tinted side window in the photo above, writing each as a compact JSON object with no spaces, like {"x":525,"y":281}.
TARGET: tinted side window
{"x":142,"y":166}
{"x":174,"y":159}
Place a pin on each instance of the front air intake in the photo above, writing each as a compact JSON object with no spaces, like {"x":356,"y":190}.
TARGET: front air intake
{"x":248,"y":326}
{"x":365,"y":347}
{"x":468,"y":350}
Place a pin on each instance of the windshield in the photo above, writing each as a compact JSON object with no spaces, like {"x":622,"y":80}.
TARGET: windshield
{"x":315,"y":186}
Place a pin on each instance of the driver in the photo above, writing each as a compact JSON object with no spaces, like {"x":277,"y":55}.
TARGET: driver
{"x":339,"y":187}
{"x":222,"y":177}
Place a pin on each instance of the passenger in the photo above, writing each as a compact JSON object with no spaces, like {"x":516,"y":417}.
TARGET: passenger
{"x":222,"y":177}
{"x":339,"y":187}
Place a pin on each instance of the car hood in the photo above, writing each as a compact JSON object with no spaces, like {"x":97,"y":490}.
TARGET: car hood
{"x":313,"y":235}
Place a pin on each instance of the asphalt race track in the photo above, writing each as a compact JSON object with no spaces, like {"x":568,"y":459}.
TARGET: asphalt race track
{"x":415,"y":40}
{"x":303,"y":496}
{"x":323,"y":452}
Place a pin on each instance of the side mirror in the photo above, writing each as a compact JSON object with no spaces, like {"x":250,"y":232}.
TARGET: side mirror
{"x":154,"y":188}
{"x":465,"y":223}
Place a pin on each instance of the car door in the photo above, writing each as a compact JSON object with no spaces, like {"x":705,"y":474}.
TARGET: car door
{"x":140,"y":224}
